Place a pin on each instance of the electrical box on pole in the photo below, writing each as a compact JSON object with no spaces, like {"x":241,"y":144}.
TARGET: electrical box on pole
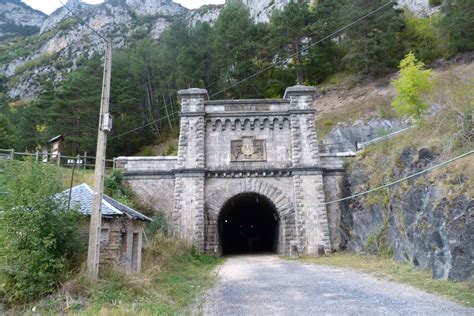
{"x":105,"y":126}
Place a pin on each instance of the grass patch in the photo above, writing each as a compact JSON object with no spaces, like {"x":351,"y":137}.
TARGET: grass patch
{"x":173,"y":275}
{"x":388,"y":269}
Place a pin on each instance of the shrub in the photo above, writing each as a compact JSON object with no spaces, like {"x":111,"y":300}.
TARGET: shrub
{"x":39,"y":236}
{"x":114,"y":187}
{"x":159,"y":224}
{"x":421,"y":38}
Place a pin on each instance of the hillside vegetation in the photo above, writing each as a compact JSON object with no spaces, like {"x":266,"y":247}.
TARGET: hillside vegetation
{"x":427,"y":220}
{"x":147,"y":74}
{"x":42,"y":262}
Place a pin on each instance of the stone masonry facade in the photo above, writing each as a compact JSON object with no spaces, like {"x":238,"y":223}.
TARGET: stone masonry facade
{"x":232,"y":147}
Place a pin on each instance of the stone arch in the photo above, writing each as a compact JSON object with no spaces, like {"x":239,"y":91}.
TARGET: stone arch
{"x":227,"y":124}
{"x":246,"y":125}
{"x":217,"y":200}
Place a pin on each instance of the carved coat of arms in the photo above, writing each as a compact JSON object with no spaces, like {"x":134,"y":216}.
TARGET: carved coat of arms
{"x":248,"y":149}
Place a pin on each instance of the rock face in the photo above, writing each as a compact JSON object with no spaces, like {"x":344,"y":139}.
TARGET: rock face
{"x":261,"y":10}
{"x":345,"y":136}
{"x":65,"y":39}
{"x":18,"y":19}
{"x":57,"y":16}
{"x":156,"y":7}
{"x":419,"y":7}
{"x":207,"y":13}
{"x":420,"y":222}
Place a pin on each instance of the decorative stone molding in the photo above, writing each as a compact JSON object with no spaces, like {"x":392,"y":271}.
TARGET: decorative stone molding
{"x":248,"y":149}
{"x":250,"y":123}
{"x":281,"y":201}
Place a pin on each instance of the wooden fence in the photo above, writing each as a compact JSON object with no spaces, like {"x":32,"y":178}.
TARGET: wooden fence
{"x":81,"y":161}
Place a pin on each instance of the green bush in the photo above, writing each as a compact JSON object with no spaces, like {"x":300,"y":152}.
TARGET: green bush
{"x":414,"y":82}
{"x":421,"y":38}
{"x":435,"y":3}
{"x":159,"y":224}
{"x":114,"y":187}
{"x":39,"y":236}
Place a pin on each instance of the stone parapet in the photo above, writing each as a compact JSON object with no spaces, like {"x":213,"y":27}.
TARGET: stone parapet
{"x":146,"y":163}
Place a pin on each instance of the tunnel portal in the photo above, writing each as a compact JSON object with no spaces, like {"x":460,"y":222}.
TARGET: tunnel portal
{"x":248,"y":223}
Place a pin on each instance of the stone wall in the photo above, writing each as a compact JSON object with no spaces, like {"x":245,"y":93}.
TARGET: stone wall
{"x":121,"y":243}
{"x":152,"y":179}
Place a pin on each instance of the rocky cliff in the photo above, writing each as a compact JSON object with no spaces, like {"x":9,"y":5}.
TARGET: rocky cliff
{"x":427,"y":221}
{"x":261,"y":10}
{"x":18,"y":19}
{"x":62,"y":40}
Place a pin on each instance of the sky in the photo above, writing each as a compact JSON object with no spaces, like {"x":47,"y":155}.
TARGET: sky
{"x":48,"y":6}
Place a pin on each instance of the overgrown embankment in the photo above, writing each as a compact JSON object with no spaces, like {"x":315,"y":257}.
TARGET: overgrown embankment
{"x":172,"y":276}
{"x":41,"y":254}
{"x":428,"y":220}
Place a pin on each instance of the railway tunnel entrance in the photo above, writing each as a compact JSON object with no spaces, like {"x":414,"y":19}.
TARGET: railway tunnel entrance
{"x":248,"y":223}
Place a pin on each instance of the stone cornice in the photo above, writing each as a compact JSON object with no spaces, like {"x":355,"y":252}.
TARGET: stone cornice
{"x":305,"y":111}
{"x":249,"y":101}
{"x":191,"y":114}
{"x":228,"y":173}
{"x":246,"y":114}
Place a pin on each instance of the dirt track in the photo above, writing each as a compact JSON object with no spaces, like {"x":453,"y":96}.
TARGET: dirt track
{"x":267,"y":285}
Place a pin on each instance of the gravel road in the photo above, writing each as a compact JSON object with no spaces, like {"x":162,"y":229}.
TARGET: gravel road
{"x":266,"y":285}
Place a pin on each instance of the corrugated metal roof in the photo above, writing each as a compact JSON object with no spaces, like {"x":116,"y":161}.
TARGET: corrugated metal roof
{"x":81,"y":198}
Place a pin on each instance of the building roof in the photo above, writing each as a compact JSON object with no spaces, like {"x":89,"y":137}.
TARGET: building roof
{"x":55,"y":138}
{"x":81,"y":198}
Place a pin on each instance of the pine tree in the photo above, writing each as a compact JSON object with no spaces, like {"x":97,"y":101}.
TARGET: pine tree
{"x":6,"y":132}
{"x":34,"y":120}
{"x":289,"y":33}
{"x":457,"y":24}
{"x":373,"y":45}
{"x":75,"y":110}
{"x":235,"y":49}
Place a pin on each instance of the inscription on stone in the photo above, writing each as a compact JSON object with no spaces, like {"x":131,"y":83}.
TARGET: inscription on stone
{"x":247,"y":107}
{"x":248,"y":149}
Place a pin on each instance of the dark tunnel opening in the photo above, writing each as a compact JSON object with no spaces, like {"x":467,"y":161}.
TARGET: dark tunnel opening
{"x":248,"y":223}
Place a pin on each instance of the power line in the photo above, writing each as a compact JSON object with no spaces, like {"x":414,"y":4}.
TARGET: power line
{"x":304,"y":49}
{"x":143,"y":126}
{"x":307,"y":35}
{"x":82,"y":21}
{"x":403,"y":179}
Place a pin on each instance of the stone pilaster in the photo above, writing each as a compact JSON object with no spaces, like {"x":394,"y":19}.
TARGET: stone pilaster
{"x":188,"y":215}
{"x":311,"y":215}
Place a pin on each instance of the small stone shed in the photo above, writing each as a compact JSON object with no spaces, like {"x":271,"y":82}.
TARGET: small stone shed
{"x":122,"y":229}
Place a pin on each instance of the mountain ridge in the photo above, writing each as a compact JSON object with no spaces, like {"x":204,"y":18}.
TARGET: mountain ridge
{"x":19,"y":19}
{"x":62,"y":37}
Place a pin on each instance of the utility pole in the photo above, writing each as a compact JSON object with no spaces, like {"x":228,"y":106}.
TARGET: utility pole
{"x":105,"y":125}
